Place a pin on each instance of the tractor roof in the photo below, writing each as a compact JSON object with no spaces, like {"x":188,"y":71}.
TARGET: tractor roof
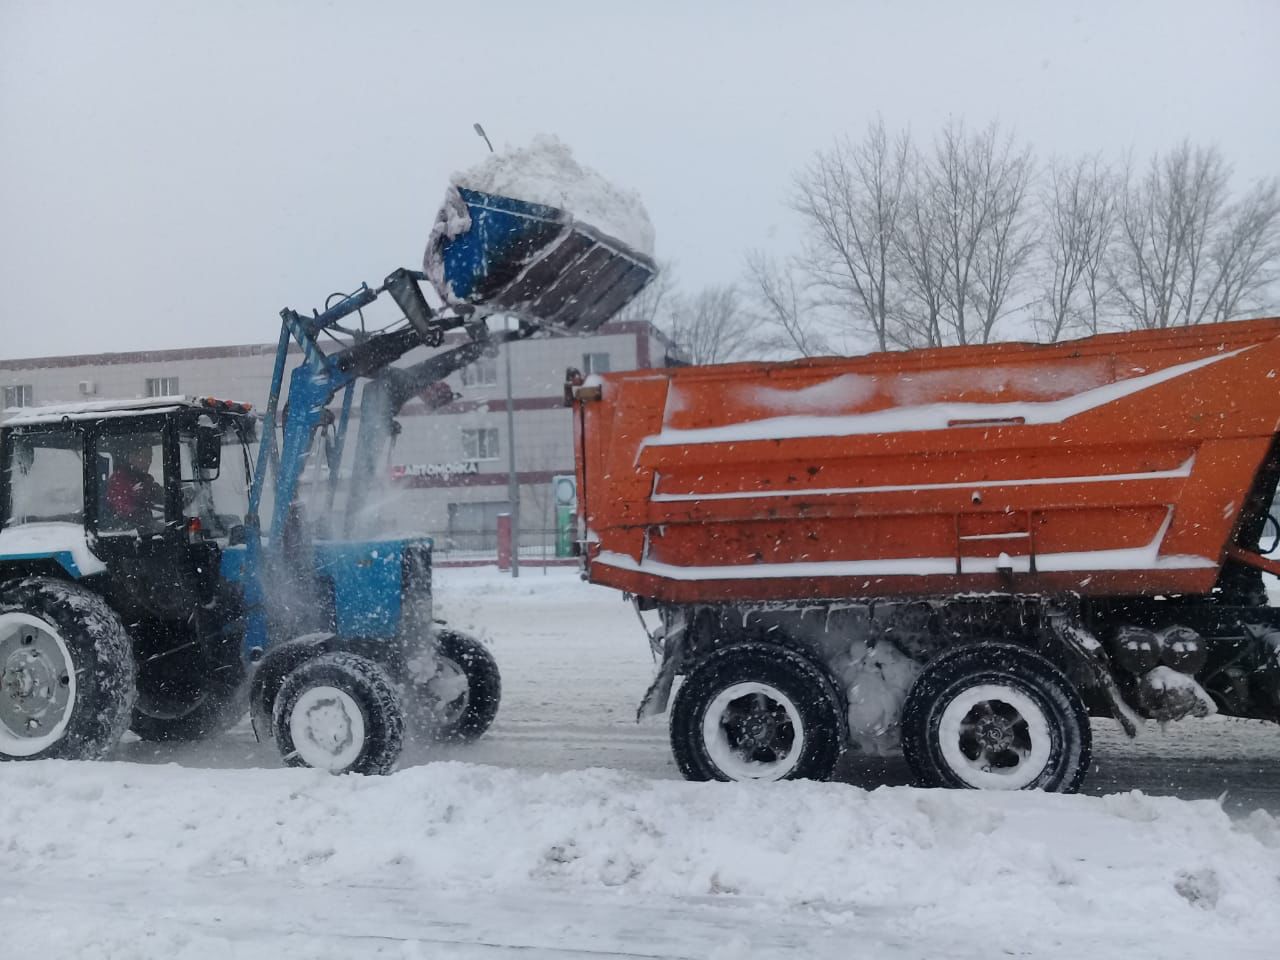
{"x":106,"y":409}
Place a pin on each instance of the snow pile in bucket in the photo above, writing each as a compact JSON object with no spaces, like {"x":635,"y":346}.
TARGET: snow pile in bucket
{"x":1009,"y":866}
{"x":546,"y":172}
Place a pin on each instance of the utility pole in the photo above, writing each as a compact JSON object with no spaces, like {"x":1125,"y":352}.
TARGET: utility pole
{"x":513,"y":484}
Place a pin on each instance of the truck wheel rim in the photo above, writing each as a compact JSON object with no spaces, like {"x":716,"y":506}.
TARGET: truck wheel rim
{"x":994,"y":737}
{"x":327,"y":728}
{"x":752,"y":731}
{"x":37,"y":685}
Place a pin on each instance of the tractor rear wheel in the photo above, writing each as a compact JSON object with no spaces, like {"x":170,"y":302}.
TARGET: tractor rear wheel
{"x":339,"y":712}
{"x":67,"y":677}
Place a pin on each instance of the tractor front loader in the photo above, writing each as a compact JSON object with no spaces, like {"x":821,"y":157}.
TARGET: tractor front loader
{"x":141,"y":585}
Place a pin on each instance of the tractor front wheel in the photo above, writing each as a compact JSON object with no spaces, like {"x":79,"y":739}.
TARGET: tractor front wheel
{"x":458,"y":702}
{"x":339,"y":712}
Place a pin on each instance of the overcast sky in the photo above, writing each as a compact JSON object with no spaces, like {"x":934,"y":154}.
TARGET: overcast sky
{"x":173,"y":173}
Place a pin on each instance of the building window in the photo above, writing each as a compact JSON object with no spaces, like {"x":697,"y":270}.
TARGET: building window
{"x":595,"y":363}
{"x":482,"y":372}
{"x":162,"y":386}
{"x":480,"y":444}
{"x":19,"y":396}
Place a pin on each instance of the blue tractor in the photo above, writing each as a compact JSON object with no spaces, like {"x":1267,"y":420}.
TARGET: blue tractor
{"x":143,"y":588}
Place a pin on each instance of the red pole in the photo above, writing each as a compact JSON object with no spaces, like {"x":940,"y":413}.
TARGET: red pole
{"x":504,"y":541}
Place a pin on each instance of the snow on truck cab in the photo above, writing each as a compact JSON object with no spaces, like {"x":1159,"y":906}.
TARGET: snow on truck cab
{"x":962,"y":553}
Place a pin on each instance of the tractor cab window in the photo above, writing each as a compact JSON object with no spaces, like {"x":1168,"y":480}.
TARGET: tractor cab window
{"x":218,"y":498}
{"x":46,"y":478}
{"x":131,"y":483}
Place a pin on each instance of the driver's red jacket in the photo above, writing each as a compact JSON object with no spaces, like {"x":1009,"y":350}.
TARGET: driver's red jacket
{"x":131,"y":494}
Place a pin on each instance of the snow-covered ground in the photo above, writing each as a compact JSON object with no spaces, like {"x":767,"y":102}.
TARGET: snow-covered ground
{"x":516,"y":846}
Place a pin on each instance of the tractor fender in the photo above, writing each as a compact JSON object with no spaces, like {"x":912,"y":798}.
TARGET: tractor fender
{"x":13,"y":569}
{"x":270,"y":672}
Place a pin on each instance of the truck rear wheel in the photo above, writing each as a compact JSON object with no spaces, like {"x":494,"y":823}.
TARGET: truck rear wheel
{"x":339,"y":712}
{"x":756,"y":711}
{"x":994,"y":716}
{"x":67,"y":679}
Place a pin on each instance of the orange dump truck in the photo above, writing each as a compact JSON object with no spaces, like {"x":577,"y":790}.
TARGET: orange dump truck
{"x":962,"y":553}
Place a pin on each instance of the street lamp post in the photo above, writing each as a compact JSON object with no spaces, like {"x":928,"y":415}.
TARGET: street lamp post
{"x":513,"y":484}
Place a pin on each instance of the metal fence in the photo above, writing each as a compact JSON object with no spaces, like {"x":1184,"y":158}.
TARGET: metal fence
{"x":481,"y":546}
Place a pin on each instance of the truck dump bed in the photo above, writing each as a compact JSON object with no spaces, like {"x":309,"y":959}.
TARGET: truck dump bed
{"x":1115,"y":465}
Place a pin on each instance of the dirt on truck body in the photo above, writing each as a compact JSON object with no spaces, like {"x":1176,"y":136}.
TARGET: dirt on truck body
{"x":959,"y":552}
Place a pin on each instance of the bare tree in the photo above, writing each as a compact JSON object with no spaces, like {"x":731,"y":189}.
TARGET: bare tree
{"x":786,"y":322}
{"x":849,"y":198}
{"x":1106,"y":210}
{"x":976,"y":184}
{"x":1245,"y":255}
{"x":1008,"y":241}
{"x":936,"y":246}
{"x":1078,"y":206}
{"x":960,"y":207}
{"x":921,"y":253}
{"x":1166,"y":222}
{"x":711,"y":326}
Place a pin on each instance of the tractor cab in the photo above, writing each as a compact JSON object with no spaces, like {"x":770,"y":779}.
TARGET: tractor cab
{"x":117,"y":475}
{"x":139,"y":499}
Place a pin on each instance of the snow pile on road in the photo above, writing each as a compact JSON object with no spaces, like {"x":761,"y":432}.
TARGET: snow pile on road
{"x":1026,"y":865}
{"x":546,"y":172}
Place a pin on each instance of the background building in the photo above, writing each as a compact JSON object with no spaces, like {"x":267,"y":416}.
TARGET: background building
{"x":448,"y":470}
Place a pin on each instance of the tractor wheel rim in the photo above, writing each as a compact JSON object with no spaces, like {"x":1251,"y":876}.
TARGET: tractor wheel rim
{"x":37,"y":685}
{"x":449,"y":691}
{"x":327,"y":728}
{"x":995,"y":737}
{"x":753,"y":731}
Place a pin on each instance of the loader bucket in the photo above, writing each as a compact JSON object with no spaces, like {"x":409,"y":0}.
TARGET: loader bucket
{"x":502,"y":255}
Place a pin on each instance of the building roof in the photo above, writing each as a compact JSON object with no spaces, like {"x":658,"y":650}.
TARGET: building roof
{"x":249,"y":350}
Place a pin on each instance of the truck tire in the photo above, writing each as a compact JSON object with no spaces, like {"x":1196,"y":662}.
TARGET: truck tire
{"x":995,"y":716}
{"x":756,"y":711}
{"x":219,"y":709}
{"x":339,"y":712}
{"x":67,"y":676}
{"x":460,"y":701}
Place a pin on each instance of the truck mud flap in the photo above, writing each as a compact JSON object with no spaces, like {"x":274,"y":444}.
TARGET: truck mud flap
{"x":1089,"y":652}
{"x":658,"y":696}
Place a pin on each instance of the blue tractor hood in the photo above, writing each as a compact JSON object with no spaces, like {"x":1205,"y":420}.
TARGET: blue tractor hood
{"x":503,"y":255}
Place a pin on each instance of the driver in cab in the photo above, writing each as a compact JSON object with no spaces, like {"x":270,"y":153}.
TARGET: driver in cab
{"x":134,"y":496}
